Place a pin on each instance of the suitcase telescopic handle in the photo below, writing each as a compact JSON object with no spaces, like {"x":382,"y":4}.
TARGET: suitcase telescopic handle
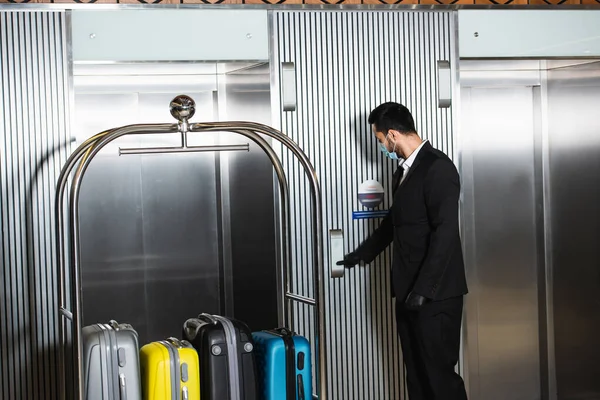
{"x":176,"y":342}
{"x":208,"y":317}
{"x":284,"y":331}
{"x":191,"y":327}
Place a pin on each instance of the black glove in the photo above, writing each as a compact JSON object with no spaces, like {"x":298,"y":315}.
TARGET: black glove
{"x":350,"y":260}
{"x":415,"y":301}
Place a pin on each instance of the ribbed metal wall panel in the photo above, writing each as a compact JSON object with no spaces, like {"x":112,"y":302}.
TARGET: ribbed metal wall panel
{"x":34,"y":99}
{"x":347,"y":63}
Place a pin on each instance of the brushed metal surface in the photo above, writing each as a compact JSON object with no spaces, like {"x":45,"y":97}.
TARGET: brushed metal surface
{"x":340,"y":78}
{"x":501,"y":243}
{"x":149,"y":247}
{"x":35,"y":102}
{"x":530,"y":223}
{"x":185,"y":232}
{"x":149,"y":244}
{"x":574,"y":138}
{"x":251,"y":191}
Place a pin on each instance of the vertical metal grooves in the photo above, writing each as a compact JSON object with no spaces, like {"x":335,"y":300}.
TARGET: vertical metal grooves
{"x":34,"y":99}
{"x":348,"y":62}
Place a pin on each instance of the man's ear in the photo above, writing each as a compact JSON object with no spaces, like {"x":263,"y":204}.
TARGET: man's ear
{"x":394,"y":134}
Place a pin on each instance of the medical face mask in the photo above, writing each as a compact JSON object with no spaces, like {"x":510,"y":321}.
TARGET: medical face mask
{"x":391,"y":155}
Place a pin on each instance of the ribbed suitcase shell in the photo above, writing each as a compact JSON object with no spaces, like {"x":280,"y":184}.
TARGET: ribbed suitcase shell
{"x":208,"y":338}
{"x":170,"y":371}
{"x":111,"y":362}
{"x":275,"y":359}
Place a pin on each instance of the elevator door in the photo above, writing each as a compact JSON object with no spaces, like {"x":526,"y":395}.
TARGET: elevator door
{"x":530,"y":168}
{"x":165,"y":237}
{"x":499,"y":179}
{"x":574,"y":138}
{"x":149,"y":223}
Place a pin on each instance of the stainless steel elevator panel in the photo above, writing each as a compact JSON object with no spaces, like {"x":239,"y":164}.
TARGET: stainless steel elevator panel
{"x":500,"y":239}
{"x":347,"y":63}
{"x":150,"y":248}
{"x":167,"y":236}
{"x":35,"y":133}
{"x":150,"y":253}
{"x":530,"y":216}
{"x":574,"y":138}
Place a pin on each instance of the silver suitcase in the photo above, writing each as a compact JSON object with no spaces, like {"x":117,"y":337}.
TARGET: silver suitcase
{"x":111,"y":362}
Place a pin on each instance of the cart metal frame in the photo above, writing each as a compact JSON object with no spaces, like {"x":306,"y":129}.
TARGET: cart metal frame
{"x":68,"y":234}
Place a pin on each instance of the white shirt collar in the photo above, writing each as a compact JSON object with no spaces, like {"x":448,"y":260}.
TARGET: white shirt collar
{"x":411,"y":159}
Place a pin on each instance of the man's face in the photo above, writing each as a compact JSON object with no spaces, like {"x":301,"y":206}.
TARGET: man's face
{"x":382,"y":138}
{"x":386,"y":139}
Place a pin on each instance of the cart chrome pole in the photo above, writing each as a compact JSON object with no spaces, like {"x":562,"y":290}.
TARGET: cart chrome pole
{"x":76,"y":293}
{"x":64,"y":312}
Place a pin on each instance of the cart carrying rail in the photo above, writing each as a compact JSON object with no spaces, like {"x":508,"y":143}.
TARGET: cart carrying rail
{"x":68,"y":232}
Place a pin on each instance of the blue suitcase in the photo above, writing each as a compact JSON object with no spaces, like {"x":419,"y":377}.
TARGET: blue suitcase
{"x":283,"y":365}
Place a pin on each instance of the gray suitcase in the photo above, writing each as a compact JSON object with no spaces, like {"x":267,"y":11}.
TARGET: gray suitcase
{"x":111,"y":362}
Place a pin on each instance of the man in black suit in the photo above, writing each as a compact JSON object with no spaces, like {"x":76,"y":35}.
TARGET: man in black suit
{"x":428,"y":278}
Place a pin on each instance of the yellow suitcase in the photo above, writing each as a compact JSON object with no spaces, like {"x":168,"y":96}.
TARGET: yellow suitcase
{"x":170,"y":371}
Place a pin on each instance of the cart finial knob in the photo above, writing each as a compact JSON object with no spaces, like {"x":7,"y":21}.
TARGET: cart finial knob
{"x":182,"y":107}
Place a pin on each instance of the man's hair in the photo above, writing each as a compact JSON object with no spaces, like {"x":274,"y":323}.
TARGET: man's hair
{"x":393,"y":116}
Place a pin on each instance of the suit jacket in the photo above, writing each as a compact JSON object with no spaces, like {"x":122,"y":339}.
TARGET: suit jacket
{"x":423,"y":225}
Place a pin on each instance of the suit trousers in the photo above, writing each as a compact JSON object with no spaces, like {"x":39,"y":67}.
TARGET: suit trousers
{"x":430,"y":339}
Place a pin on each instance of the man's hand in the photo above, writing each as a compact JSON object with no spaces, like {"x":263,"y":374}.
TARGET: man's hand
{"x":415,"y":301}
{"x":350,"y":260}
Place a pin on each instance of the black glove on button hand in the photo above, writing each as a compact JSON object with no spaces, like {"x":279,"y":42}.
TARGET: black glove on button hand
{"x":350,"y":260}
{"x":415,"y":301}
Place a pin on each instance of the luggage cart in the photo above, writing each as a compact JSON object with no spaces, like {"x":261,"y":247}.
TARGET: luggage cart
{"x":68,"y":240}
